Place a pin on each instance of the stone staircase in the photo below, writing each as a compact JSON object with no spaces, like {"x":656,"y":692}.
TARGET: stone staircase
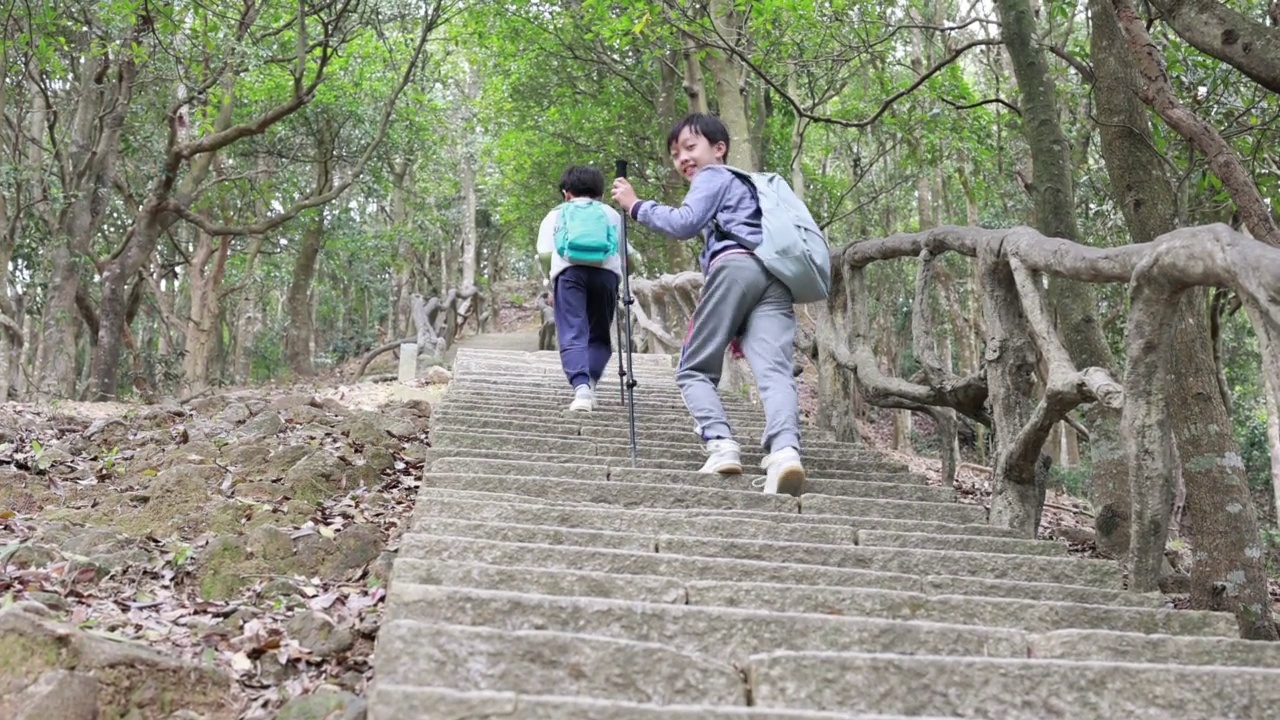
{"x":544,"y":577}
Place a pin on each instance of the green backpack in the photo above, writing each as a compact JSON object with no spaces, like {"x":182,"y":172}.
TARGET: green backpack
{"x":584,"y":234}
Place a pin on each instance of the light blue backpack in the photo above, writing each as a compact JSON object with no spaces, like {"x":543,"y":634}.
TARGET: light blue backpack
{"x":584,"y":234}
{"x":793,"y":249}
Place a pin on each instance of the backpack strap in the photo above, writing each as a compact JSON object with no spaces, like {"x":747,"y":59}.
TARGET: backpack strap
{"x":719,"y":230}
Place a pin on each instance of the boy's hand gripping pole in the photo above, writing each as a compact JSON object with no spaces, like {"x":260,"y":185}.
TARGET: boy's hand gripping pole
{"x":627,"y":377}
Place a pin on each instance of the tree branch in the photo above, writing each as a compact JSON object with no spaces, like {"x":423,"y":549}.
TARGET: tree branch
{"x":1220,"y":32}
{"x":1158,"y":93}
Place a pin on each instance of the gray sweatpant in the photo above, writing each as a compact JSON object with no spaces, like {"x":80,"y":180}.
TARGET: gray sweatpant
{"x":741,"y":299}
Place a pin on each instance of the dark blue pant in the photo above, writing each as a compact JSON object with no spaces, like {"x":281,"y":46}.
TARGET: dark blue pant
{"x":586,"y":298}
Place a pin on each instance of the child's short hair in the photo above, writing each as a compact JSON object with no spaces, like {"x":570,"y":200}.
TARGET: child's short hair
{"x":708,"y":126}
{"x":582,"y":181}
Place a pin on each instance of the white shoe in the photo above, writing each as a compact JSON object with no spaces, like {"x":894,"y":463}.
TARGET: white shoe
{"x":584,"y":400}
{"x":784,"y":474}
{"x":726,"y":457}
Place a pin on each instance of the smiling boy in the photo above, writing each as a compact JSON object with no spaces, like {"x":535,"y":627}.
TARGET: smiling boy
{"x":740,"y":300}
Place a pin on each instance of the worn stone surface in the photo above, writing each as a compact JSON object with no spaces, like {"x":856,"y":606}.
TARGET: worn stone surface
{"x":1010,"y":689}
{"x":1029,"y":615}
{"x":1135,"y":647}
{"x":541,"y":534}
{"x":131,"y":680}
{"x":1064,"y":571}
{"x":398,"y":702}
{"x":894,"y":509}
{"x":937,"y":541}
{"x":633,"y":563}
{"x":535,"y":661}
{"x":541,"y":581}
{"x":988,"y":587}
{"x":626,"y":521}
{"x":323,"y":706}
{"x":726,"y":634}
{"x":607,"y":492}
{"x":59,"y":694}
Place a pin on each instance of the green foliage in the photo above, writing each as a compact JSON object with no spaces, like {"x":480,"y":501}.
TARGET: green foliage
{"x":1073,"y":481}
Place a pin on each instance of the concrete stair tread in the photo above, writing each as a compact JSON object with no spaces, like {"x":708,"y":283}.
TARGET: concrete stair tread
{"x":641,"y":538}
{"x":989,"y":611}
{"x":650,"y":495}
{"x":1009,"y":689}
{"x":405,"y":702}
{"x":601,"y":516}
{"x":530,"y":661}
{"x":730,"y":635}
{"x":907,"y":560}
{"x":691,"y":478}
{"x":875,"y":470}
{"x":706,"y":567}
{"x":724,"y":635}
{"x":620,"y":450}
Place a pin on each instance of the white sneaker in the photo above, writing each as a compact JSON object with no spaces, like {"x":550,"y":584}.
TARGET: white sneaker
{"x":584,"y":400}
{"x":784,"y":474}
{"x":726,"y":457}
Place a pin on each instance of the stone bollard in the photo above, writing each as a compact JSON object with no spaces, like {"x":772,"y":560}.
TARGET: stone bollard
{"x":408,"y":363}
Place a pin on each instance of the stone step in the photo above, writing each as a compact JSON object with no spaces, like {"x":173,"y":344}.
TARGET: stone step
{"x":796,"y":528}
{"x":620,"y":494}
{"x":1010,"y":613}
{"x":867,"y":470}
{"x":637,"y":539}
{"x":800,"y":564}
{"x":547,"y":364}
{"x":689,"y":478}
{"x":683,"y":568}
{"x":472,"y":658}
{"x":688,"y":452}
{"x":403,"y":702}
{"x":1009,"y":689}
{"x":641,"y":532}
{"x":959,"y":513}
{"x":808,"y":518}
{"x":938,"y":541}
{"x":648,"y":495}
{"x":549,"y":361}
{"x":538,"y":401}
{"x":724,"y":635}
{"x":1086,"y":645}
{"x":606,"y":414}
{"x":732,"y":634}
{"x":568,"y":422}
{"x":1030,"y":615}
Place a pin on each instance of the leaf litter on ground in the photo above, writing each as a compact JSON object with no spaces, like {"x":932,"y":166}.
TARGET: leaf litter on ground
{"x":153,"y":597}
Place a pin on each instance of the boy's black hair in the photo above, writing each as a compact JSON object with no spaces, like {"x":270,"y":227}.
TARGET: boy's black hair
{"x":583,"y":181}
{"x":708,"y":126}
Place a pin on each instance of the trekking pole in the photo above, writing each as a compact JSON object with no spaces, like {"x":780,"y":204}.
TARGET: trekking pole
{"x":629,"y":377}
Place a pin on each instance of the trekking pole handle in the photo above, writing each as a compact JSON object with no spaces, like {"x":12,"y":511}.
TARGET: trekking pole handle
{"x":620,"y":168}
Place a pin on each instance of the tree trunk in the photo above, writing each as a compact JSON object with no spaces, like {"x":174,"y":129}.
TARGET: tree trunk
{"x":1053,"y":190}
{"x":695,"y":88}
{"x":204,"y":285}
{"x":1018,"y":490}
{"x":56,"y":359}
{"x":299,"y":332}
{"x":403,"y":283}
{"x":731,"y":84}
{"x":1229,"y":571}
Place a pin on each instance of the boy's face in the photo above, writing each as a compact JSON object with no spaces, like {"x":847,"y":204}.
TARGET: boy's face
{"x":692,"y":152}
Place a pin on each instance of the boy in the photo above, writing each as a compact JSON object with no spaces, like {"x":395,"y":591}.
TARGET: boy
{"x":740,"y":300}
{"x":578,"y":251}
